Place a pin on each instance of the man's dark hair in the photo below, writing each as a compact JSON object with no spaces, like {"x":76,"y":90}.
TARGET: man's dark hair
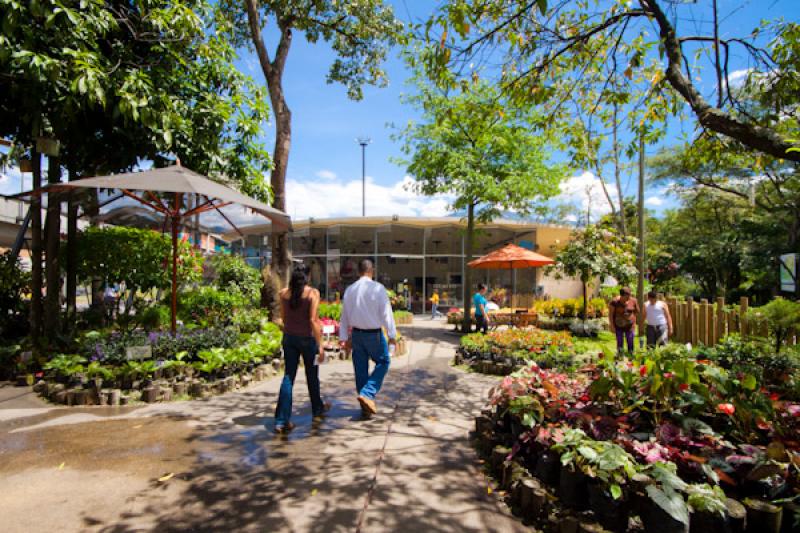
{"x":481,"y":286}
{"x":625,"y":291}
{"x":364,"y":266}
{"x":652,"y":294}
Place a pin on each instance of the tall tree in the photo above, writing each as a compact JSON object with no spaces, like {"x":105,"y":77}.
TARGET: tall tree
{"x":552,"y":50}
{"x":116,"y":82}
{"x":360,"y":34}
{"x":474,"y":147}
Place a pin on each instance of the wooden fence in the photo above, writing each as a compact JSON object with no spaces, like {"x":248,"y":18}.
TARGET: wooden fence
{"x":707,"y":322}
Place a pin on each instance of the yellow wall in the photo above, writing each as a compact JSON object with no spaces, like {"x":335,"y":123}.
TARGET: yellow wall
{"x":548,"y":237}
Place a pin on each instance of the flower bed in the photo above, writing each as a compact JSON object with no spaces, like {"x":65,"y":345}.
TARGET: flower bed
{"x":571,"y":308}
{"x":676,"y":441}
{"x":501,"y":352}
{"x":117,"y":369}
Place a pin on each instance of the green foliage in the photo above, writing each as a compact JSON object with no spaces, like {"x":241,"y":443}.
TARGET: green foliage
{"x":250,"y":320}
{"x":14,"y":284}
{"x":359,"y":34}
{"x":154,"y":317}
{"x":209,"y":306}
{"x":782,"y":317}
{"x":66,"y":365}
{"x":330,"y":310}
{"x":136,"y":257}
{"x":117,"y":82}
{"x":234,"y":275}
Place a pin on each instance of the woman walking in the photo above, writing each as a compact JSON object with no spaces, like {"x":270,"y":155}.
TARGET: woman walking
{"x":622,"y":317}
{"x":302,"y":336}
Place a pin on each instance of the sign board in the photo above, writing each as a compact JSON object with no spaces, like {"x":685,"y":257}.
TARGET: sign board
{"x":788,"y":267}
{"x":329,"y":329}
{"x":138,"y":352}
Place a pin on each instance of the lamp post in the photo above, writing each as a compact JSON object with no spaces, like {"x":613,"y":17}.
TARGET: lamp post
{"x":363,"y":141}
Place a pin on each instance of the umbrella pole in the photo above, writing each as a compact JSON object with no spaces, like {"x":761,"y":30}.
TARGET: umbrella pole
{"x":174,"y":322}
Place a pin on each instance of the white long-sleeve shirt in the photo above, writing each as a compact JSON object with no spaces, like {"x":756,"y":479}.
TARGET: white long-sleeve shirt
{"x":366,"y":305}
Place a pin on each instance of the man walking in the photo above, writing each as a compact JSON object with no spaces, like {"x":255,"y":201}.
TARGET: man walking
{"x":366,"y":311}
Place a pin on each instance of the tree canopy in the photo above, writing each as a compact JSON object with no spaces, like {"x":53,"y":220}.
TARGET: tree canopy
{"x":116,"y":82}
{"x":553,"y":51}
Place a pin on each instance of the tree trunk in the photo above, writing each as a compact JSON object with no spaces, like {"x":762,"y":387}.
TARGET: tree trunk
{"x":585,"y":303}
{"x":273,"y":73}
{"x":71,"y":266}
{"x":52,"y":300}
{"x":622,"y":222}
{"x":467,"y":323}
{"x":280,"y":160}
{"x":36,"y":251}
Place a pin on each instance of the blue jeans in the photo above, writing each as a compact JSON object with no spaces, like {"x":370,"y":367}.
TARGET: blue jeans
{"x":293,"y":348}
{"x":435,"y":310}
{"x":366,"y":346}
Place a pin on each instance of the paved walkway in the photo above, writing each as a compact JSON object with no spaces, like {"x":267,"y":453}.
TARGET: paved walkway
{"x":212,"y":465}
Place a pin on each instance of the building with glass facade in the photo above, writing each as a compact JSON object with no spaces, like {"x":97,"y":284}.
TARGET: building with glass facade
{"x":425,"y":253}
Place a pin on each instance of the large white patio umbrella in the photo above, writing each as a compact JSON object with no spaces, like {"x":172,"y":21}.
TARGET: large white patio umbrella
{"x":177,"y":180}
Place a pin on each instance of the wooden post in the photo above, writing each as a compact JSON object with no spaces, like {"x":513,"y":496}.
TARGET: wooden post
{"x":743,"y":326}
{"x":711,"y":335}
{"x":722,"y":324}
{"x":702,"y":325}
{"x":690,"y":321}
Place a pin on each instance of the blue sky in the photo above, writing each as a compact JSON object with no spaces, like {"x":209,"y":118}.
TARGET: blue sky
{"x":324,"y":176}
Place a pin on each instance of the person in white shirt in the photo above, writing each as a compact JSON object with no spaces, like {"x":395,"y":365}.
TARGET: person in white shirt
{"x":659,"y":321}
{"x":366,"y":312}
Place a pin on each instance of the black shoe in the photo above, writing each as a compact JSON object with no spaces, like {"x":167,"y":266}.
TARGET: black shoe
{"x":326,"y":406}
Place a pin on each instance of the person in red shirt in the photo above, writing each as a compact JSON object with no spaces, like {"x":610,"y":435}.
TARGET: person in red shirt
{"x":623,"y":314}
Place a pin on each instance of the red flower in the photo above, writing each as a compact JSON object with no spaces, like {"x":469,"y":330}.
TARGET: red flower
{"x":643,"y":370}
{"x":683,"y":386}
{"x":774,"y":396}
{"x":726,"y":408}
{"x":584,"y":398}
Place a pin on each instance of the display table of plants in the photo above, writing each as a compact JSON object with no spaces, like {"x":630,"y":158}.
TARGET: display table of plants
{"x":403,"y":318}
{"x":567,"y":314}
{"x":502,"y":352}
{"x":115,"y":368}
{"x":666,"y":441}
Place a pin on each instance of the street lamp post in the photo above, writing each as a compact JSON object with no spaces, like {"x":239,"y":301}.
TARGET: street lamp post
{"x":363,"y":141}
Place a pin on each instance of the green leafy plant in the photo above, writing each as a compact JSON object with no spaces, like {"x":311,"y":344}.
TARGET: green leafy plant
{"x":781,"y":316}
{"x":232,"y":274}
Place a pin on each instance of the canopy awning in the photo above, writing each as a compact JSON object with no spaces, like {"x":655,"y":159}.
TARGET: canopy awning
{"x":511,"y":256}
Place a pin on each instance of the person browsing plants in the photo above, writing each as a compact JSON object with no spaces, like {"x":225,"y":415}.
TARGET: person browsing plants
{"x":367,"y":311}
{"x":302,"y":336}
{"x":659,"y":321}
{"x":479,"y":301}
{"x":623,"y":313}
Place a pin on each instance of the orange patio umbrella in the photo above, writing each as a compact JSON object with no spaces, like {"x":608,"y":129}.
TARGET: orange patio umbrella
{"x":511,"y":257}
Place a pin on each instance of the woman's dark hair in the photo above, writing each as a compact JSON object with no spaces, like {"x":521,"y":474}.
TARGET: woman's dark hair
{"x":297,"y":283}
{"x":625,"y":291}
{"x":481,"y":286}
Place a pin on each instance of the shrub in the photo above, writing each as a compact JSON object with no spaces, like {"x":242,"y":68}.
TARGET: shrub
{"x":14,"y":283}
{"x":154,"y":317}
{"x":250,"y":320}
{"x":209,"y":306}
{"x":232,"y":274}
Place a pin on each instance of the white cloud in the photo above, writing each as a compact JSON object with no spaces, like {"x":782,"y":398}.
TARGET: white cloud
{"x":329,"y":199}
{"x":586,"y":191}
{"x":738,"y":77}
{"x":655,"y":201}
{"x":326,"y":174}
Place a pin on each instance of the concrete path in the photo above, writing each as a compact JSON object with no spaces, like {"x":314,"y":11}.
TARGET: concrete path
{"x":213,"y":465}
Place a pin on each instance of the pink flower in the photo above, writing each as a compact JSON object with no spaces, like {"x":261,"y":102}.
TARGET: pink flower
{"x":668,"y":375}
{"x":726,"y":408}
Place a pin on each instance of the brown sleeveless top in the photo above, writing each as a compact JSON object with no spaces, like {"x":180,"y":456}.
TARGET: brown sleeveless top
{"x":296,"y":320}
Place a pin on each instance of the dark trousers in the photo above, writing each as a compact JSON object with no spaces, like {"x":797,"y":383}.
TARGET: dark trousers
{"x":656,"y":336}
{"x":293,"y":348}
{"x":624,"y":335}
{"x":481,"y":323}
